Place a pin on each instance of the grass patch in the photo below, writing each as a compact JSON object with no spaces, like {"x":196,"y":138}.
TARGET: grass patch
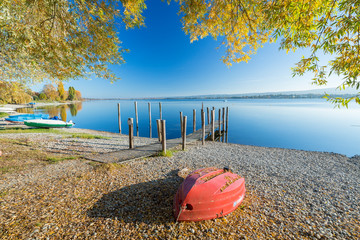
{"x":2,"y":114}
{"x":54,"y":159}
{"x":93,"y":164}
{"x":87,"y":136}
{"x":169,"y":153}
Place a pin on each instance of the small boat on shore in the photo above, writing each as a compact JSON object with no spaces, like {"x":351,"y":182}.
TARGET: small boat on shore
{"x":208,"y":193}
{"x":48,"y":123}
{"x":23,"y":117}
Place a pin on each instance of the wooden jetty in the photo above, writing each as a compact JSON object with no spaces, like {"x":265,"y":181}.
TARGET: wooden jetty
{"x":147,"y":150}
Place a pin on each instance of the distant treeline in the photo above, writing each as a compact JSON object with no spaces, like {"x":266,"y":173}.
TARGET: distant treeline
{"x":277,"y":96}
{"x":17,"y":93}
{"x":260,"y":96}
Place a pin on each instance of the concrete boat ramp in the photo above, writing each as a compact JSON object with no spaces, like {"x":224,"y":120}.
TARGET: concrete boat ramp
{"x":147,"y":150}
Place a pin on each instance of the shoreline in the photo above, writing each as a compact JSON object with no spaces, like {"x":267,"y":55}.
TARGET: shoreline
{"x":257,"y":133}
{"x":13,"y":107}
{"x":105,"y":133}
{"x":290,"y":193}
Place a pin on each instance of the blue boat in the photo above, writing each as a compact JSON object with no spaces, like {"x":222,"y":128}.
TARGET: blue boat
{"x":23,"y":117}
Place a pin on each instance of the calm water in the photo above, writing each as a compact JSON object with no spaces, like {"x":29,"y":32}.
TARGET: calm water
{"x":305,"y":124}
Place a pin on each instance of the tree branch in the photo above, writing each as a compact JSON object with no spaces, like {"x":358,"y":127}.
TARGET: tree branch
{"x":324,"y":27}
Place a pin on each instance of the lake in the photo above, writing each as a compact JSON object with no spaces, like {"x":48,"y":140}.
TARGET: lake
{"x":304,"y":124}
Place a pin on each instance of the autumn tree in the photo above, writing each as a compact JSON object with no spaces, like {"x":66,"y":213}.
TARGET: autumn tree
{"x":50,"y":91}
{"x":62,"y":39}
{"x":78,"y":95}
{"x":13,"y":93}
{"x":61,"y":91}
{"x":323,"y":26}
{"x":66,"y":39}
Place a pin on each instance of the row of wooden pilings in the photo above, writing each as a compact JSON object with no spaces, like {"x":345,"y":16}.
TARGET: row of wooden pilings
{"x":223,"y":120}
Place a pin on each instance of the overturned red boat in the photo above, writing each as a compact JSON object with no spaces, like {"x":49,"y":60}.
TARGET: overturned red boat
{"x":208,"y":193}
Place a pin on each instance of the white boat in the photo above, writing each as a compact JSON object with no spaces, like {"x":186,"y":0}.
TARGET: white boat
{"x":48,"y":123}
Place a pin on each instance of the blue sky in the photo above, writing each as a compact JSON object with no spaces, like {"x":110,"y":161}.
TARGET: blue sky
{"x":162,"y":62}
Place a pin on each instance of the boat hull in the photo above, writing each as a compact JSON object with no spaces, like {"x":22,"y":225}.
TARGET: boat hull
{"x":207,"y":194}
{"x":47,"y":123}
{"x":24,"y":117}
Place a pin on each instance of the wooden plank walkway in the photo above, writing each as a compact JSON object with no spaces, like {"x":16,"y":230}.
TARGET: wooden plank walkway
{"x":147,"y":150}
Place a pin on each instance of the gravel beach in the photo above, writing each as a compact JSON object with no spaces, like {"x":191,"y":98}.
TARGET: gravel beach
{"x":291,"y":194}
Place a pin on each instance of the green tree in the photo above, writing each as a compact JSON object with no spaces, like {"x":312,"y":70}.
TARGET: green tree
{"x":36,"y":98}
{"x":42,"y":96}
{"x":72,"y":93}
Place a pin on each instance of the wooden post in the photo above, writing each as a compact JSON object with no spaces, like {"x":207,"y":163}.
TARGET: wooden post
{"x":208,"y":115}
{"x":223,"y":124}
{"x":219,"y":124}
{"x":137,"y":119}
{"x":194,"y":120}
{"x":213,"y":125}
{"x":160,"y":111}
{"x":203,"y":126}
{"x":227,"y":123}
{"x":119,"y":117}
{"x":149,"y":104}
{"x":202,"y":106}
{"x":163,"y":136}
{"x":184,"y":133}
{"x":158,"y":124}
{"x":181,"y":123}
{"x":131,"y":133}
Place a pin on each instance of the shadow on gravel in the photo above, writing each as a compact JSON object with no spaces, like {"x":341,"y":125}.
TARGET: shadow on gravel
{"x":148,"y":202}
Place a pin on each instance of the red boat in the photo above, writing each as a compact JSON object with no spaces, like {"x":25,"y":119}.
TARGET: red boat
{"x":208,"y":193}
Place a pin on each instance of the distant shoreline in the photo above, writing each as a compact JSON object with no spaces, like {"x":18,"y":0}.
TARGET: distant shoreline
{"x":278,"y":96}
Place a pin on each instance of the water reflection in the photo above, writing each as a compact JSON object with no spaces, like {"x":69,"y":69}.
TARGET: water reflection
{"x":63,"y":113}
{"x":25,"y":110}
{"x":73,"y":109}
{"x":56,"y":110}
{"x":305,"y":124}
{"x":52,"y":111}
